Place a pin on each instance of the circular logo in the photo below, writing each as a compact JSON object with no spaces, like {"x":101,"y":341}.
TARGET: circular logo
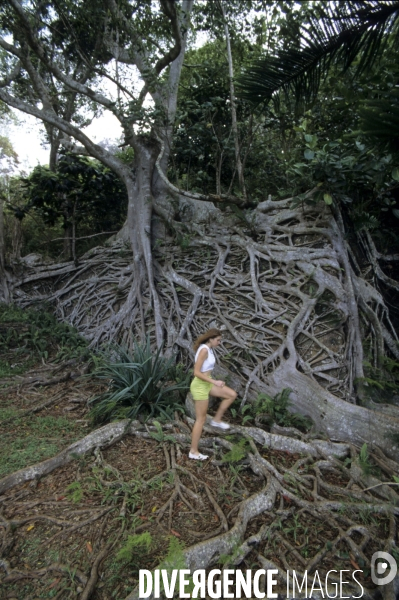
{"x":379,"y":568}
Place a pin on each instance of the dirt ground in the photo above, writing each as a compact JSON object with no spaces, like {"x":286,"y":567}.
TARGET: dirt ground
{"x":85,"y":529}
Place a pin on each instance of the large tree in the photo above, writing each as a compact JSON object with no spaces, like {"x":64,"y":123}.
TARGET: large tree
{"x":298,"y":309}
{"x":280,"y":279}
{"x":52,"y":56}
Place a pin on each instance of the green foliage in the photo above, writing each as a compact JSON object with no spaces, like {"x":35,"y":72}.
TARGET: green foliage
{"x":394,"y":437}
{"x":345,"y":171}
{"x":27,"y":335}
{"x":77,"y":193}
{"x":237,"y":452}
{"x":364,"y":461}
{"x":247,"y":408}
{"x":379,"y":120}
{"x":135,"y":547}
{"x":18,"y":452}
{"x":75,"y":490}
{"x":203,"y":144}
{"x":159,"y":435}
{"x":175,"y":559}
{"x":184,"y":241}
{"x":139,"y":384}
{"x":229,"y":559}
{"x":381,"y":383}
{"x":277,"y":408}
{"x":335,"y":33}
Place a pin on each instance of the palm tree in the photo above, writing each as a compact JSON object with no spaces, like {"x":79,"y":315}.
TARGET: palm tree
{"x":337,"y":33}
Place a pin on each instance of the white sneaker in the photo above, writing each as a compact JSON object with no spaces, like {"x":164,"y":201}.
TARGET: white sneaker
{"x":221,"y":425}
{"x":198,"y":456}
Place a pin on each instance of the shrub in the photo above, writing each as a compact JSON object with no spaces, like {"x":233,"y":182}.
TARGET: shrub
{"x":140,"y":384}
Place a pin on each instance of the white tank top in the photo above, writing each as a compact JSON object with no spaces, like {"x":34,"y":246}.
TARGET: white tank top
{"x":210,"y":360}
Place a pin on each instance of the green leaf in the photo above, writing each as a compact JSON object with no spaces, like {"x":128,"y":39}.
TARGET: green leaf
{"x":308,"y":154}
{"x":327,"y":199}
{"x":396,"y":212}
{"x":395,"y":174}
{"x":308,"y":137}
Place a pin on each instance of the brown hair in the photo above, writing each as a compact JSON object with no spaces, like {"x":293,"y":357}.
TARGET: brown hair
{"x":208,"y":335}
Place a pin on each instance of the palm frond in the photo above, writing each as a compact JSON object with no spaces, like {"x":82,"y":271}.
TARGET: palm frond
{"x":379,"y":120}
{"x":341,"y":34}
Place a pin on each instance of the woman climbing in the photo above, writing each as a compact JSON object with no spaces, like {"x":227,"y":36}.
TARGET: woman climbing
{"x":203,"y":385}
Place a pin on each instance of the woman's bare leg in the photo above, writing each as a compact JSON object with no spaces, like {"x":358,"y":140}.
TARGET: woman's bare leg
{"x":201,"y":408}
{"x":228,"y":396}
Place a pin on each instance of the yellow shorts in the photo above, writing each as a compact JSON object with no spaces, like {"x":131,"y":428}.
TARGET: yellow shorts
{"x":200,"y":389}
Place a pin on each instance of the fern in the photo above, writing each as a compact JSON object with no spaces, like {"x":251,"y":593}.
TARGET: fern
{"x":136,"y":545}
{"x":237,"y":453}
{"x":277,"y":408}
{"x":175,"y":559}
{"x":76,"y":492}
{"x":364,"y":461}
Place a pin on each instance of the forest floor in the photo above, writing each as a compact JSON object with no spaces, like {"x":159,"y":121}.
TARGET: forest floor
{"x":86,"y":528}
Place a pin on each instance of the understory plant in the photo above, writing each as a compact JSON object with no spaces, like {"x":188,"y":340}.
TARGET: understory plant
{"x":135,"y":546}
{"x":28,"y":335}
{"x":381,"y":383}
{"x":140,"y":384}
{"x":276,"y":409}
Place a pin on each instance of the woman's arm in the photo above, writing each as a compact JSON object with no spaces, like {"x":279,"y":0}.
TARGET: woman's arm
{"x":197,"y":369}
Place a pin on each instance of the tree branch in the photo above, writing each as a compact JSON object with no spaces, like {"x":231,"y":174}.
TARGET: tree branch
{"x":35,"y":45}
{"x":11,"y":76}
{"x":193,"y":195}
{"x":69,"y":129}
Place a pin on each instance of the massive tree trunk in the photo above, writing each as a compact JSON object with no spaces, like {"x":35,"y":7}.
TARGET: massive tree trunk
{"x":4,"y":291}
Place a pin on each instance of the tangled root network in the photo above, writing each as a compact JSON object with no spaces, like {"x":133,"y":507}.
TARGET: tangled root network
{"x":297,"y":309}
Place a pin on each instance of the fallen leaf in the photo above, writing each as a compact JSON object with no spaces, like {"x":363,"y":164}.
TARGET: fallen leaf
{"x":154,"y":508}
{"x":143,"y":518}
{"x":176,"y":533}
{"x":30,"y":527}
{"x":54,"y":583}
{"x":354,"y":563}
{"x":89,"y":547}
{"x":60,"y":498}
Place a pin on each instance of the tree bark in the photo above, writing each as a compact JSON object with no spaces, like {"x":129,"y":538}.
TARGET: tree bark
{"x":4,"y":292}
{"x":240,"y":170}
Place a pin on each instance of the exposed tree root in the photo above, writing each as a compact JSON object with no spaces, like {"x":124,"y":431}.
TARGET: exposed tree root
{"x":297,"y":313}
{"x":299,"y":494}
{"x":271,"y":522}
{"x":15,"y":575}
{"x":91,"y":583}
{"x":101,"y":437}
{"x":285,"y":287}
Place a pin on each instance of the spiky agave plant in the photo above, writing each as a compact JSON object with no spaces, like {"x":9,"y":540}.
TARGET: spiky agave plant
{"x":139,"y":384}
